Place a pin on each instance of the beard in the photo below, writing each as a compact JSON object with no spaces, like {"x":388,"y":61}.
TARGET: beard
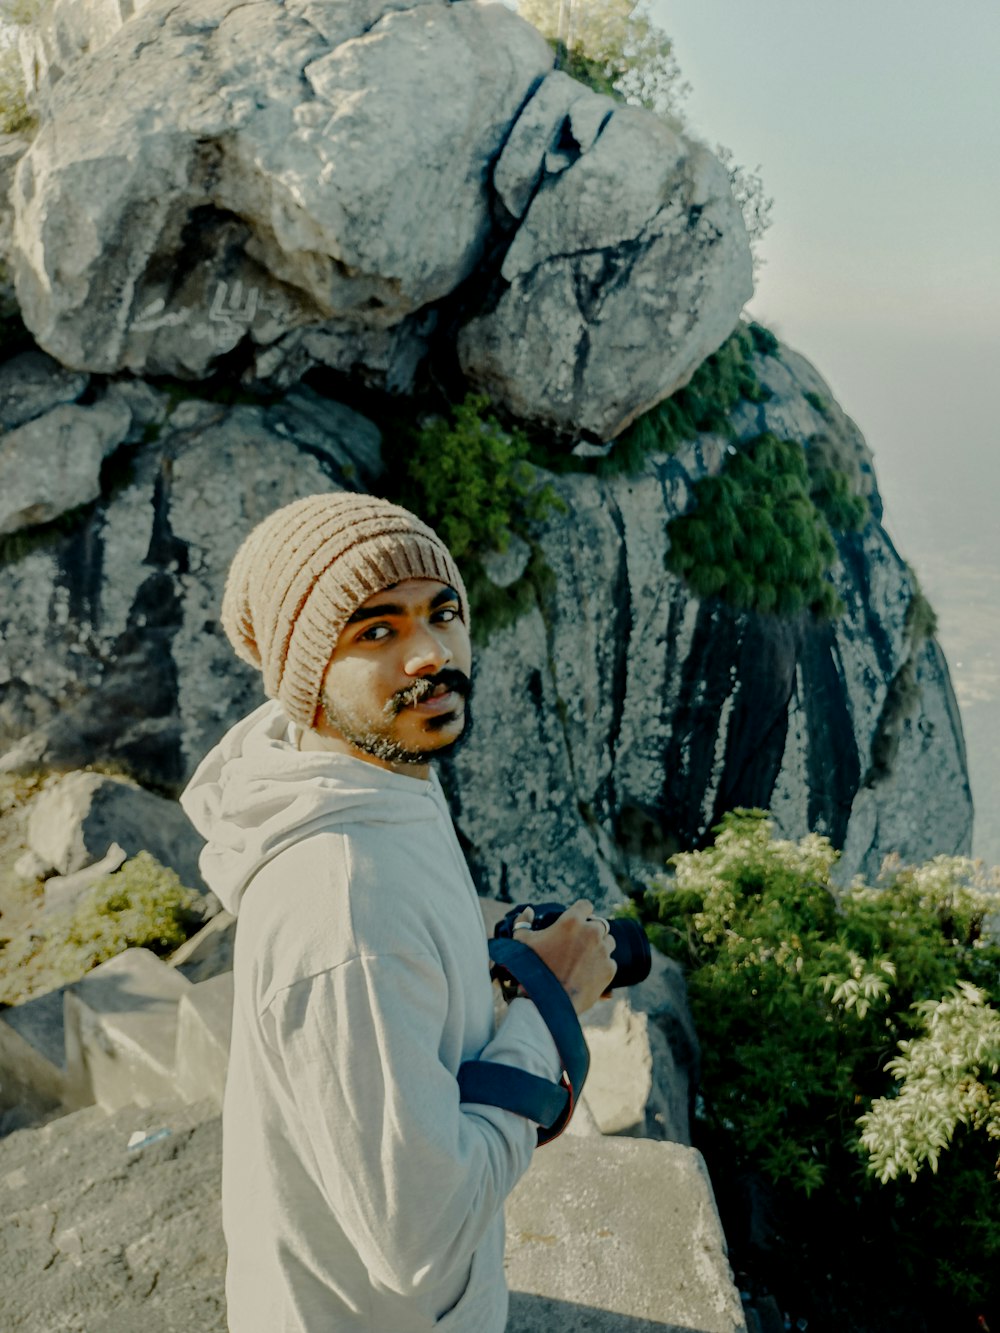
{"x":375,"y":736}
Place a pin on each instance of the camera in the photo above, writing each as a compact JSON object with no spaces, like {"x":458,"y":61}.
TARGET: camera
{"x":631,"y":951}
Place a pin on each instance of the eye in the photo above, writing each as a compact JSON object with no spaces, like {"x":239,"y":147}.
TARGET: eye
{"x":450,"y":611}
{"x":375,"y":633}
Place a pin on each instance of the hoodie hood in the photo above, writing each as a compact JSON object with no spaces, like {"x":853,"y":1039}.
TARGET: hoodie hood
{"x":255,"y":793}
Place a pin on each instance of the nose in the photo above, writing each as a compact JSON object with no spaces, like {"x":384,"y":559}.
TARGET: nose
{"x":426,"y":651}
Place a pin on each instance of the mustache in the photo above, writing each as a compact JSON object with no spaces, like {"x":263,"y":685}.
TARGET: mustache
{"x":449,"y":677}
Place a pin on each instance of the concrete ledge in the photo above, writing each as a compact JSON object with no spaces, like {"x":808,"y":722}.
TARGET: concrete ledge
{"x":121,"y":1031}
{"x":618,"y":1236}
{"x":204,"y":1021}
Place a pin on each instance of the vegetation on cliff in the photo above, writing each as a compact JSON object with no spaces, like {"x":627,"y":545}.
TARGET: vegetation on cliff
{"x":760,"y":534}
{"x":851,"y":1047}
{"x":472,"y":481}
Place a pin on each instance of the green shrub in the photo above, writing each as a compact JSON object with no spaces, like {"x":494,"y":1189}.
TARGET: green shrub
{"x":142,"y":905}
{"x":755,"y":537}
{"x":472,"y":482}
{"x":704,"y":404}
{"x":839,"y":1028}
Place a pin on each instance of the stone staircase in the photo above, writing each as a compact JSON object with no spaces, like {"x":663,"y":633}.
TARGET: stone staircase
{"x":605,"y":1232}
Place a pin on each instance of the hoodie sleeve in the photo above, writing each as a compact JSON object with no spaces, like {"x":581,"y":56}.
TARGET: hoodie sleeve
{"x":413,"y":1177}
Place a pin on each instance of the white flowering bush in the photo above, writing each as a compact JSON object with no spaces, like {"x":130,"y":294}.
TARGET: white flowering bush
{"x":948,"y":1077}
{"x":850,"y":1042}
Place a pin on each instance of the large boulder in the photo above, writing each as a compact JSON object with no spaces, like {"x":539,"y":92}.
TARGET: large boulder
{"x":621,"y":277}
{"x":78,"y":818}
{"x":222,"y":173}
{"x":274,"y":187}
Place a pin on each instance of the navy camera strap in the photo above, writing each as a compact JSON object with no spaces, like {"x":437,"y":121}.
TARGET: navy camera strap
{"x":490,"y":1083}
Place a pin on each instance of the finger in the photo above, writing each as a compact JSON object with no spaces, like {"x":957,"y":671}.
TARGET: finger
{"x":582,"y":908}
{"x":523,"y":921}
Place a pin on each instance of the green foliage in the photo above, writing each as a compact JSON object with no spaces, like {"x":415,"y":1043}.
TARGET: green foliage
{"x":756,"y":537}
{"x":948,"y":1077}
{"x":817,"y":401}
{"x":614,"y":47}
{"x":832,"y":489}
{"x":141,"y":905}
{"x":821,"y":1012}
{"x":704,"y":404}
{"x":472,"y":482}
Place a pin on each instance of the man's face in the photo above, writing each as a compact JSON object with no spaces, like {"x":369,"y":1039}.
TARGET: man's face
{"x":397,"y":687}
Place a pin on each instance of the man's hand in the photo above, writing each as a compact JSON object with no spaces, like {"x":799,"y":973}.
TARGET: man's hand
{"x":577,"y":948}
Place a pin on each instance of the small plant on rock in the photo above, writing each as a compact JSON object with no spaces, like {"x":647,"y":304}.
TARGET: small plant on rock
{"x":756,"y":538}
{"x":141,"y":905}
{"x":472,"y":481}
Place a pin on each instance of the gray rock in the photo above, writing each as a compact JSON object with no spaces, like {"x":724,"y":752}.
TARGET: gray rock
{"x":588,"y":1227}
{"x":307,"y":184}
{"x":121,"y":1031}
{"x":78,"y":819}
{"x":505,"y":567}
{"x":134,"y":665}
{"x":53,"y":463}
{"x":629,"y":267}
{"x":144,"y":1221}
{"x":209,"y":953}
{"x":64,"y":891}
{"x":97,"y":1235}
{"x":31,"y":384}
{"x":266,"y":149}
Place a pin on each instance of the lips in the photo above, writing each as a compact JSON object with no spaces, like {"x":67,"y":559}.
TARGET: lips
{"x":440,"y":700}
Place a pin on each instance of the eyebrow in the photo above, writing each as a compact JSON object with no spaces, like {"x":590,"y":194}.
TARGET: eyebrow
{"x":395,"y":609}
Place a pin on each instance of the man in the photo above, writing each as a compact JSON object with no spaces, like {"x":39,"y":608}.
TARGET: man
{"x":359,"y":1192}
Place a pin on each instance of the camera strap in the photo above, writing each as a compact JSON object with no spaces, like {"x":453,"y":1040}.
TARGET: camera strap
{"x":490,"y":1083}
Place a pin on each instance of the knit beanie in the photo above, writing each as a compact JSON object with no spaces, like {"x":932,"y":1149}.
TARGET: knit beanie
{"x":304,"y":570}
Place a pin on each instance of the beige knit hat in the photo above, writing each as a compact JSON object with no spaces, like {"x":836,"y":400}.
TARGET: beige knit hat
{"x":306,"y":569}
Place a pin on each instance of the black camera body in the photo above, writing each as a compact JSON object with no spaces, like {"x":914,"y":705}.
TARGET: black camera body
{"x":631,"y":951}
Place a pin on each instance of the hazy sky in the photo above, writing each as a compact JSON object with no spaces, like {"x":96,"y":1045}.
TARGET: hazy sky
{"x":876,"y":124}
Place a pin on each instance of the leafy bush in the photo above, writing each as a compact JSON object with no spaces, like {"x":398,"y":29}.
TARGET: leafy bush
{"x":142,"y":905}
{"x":704,"y":404}
{"x":821,"y":1013}
{"x":834,"y":481}
{"x":613,"y":47}
{"x":472,"y":482}
{"x":756,"y":537}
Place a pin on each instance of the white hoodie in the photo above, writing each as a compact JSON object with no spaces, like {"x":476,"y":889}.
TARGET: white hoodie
{"x":357,"y":1193}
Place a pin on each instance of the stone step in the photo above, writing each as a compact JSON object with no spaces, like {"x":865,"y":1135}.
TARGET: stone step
{"x":204,"y":1020}
{"x":615,"y":1234}
{"x":121,"y":1031}
{"x":33,"y":1075}
{"x":603,"y":1235}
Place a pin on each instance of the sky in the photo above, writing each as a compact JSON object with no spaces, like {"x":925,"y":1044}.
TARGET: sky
{"x":876,"y":127}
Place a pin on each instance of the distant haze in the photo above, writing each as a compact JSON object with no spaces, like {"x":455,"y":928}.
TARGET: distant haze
{"x":877,"y":129}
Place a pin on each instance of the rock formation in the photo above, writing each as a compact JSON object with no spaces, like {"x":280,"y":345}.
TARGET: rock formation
{"x":258,"y":190}
{"x":271,"y":187}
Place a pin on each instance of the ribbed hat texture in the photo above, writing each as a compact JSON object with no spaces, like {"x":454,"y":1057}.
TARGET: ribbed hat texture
{"x":304,"y":570}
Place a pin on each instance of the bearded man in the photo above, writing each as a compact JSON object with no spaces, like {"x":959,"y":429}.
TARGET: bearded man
{"x":359,"y":1191}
